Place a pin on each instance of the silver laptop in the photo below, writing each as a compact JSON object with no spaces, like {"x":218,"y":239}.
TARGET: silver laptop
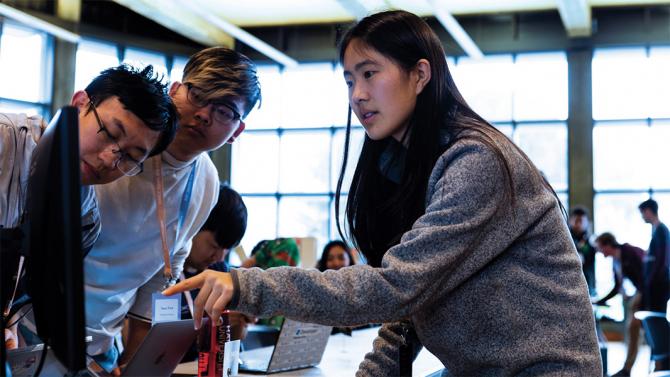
{"x":299,"y":345}
{"x":162,"y":350}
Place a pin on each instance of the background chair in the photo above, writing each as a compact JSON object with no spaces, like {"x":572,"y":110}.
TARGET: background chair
{"x":657,"y":334}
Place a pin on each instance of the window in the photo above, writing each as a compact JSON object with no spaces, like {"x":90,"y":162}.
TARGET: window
{"x":487,"y":85}
{"x":256,"y":166}
{"x":177,"y":71}
{"x":16,"y":107}
{"x":93,"y":58}
{"x":629,"y":162}
{"x":629,"y":144}
{"x":26,"y":83}
{"x":303,"y":166}
{"x":141,"y":58}
{"x":291,"y":153}
{"x":526,"y":96}
{"x":630,"y":92}
{"x":287,"y":162}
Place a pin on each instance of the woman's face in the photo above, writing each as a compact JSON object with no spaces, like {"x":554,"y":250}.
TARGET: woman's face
{"x":381,"y":93}
{"x":337,"y":258}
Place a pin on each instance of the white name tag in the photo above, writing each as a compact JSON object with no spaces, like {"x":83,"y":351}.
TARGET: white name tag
{"x":165,"y":308}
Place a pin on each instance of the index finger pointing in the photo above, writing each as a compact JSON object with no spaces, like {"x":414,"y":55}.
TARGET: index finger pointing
{"x":186,"y":285}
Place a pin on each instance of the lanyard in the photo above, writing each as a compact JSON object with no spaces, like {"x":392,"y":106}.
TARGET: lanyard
{"x":160,"y":212}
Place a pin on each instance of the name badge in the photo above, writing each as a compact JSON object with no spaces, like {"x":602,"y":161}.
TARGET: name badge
{"x":165,"y":308}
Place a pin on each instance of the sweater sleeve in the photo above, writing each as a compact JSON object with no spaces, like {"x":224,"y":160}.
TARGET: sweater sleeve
{"x":465,"y":226}
{"x":383,"y":360}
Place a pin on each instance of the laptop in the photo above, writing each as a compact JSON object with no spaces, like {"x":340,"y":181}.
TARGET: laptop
{"x":158,"y":355}
{"x":162,"y":349}
{"x":299,"y":345}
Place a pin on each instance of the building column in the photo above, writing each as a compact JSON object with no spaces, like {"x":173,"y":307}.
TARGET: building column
{"x":65,"y":55}
{"x":222,"y":159}
{"x":580,"y":129}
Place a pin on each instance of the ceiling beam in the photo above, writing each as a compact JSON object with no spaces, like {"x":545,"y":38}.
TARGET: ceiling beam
{"x":576,"y":17}
{"x":456,"y":30}
{"x":171,"y":14}
{"x":241,"y":35}
{"x":69,"y":10}
{"x":38,"y":23}
{"x":355,"y":7}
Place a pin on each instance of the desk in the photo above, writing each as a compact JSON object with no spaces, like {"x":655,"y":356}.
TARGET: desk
{"x":341,"y":358}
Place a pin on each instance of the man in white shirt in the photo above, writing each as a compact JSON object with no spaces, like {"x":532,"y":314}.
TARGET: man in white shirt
{"x":126,"y":265}
{"x":125,"y":115}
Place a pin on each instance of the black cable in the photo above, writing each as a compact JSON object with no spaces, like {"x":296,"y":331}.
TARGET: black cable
{"x":3,"y":347}
{"x":20,"y":318}
{"x":42,"y":359}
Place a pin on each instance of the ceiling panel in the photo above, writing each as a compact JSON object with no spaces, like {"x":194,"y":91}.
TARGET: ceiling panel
{"x":603,"y":3}
{"x":461,"y":7}
{"x":288,"y":12}
{"x":274,"y":12}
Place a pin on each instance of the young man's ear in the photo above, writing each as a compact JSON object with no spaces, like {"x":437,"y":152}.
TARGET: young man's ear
{"x":173,"y":88}
{"x":80,"y":100}
{"x":423,"y":74}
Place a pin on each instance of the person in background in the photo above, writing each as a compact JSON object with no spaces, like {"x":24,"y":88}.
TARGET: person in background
{"x":657,"y":262}
{"x":221,"y":233}
{"x":627,"y":263}
{"x":579,"y":229}
{"x":467,"y":247}
{"x":335,"y":255}
{"x":274,"y":253}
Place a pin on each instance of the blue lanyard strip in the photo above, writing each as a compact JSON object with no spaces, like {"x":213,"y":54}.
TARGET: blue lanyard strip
{"x":185,"y":199}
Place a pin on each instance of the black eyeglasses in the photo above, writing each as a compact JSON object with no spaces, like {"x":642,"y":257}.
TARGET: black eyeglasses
{"x":223,"y":112}
{"x":125,"y":163}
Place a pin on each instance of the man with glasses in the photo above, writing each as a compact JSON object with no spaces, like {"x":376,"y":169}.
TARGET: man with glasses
{"x":125,"y":116}
{"x":135,"y":256}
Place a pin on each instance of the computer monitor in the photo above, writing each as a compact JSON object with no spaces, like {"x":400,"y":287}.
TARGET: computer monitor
{"x":54,"y":266}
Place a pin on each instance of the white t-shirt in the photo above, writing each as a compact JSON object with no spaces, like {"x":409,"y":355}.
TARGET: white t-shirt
{"x":126,"y":264}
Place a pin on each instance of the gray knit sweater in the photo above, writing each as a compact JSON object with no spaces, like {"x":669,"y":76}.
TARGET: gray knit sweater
{"x":491,"y":288}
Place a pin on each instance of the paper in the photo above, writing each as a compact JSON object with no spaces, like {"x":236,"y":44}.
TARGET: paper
{"x":165,"y":308}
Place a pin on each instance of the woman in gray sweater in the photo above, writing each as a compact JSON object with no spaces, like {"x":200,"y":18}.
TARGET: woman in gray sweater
{"x":467,"y":246}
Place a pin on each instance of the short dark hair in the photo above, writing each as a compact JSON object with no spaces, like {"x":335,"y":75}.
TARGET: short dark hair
{"x":321,"y":265}
{"x":142,"y":93}
{"x":649,"y":204}
{"x":579,"y":211}
{"x":228,"y":219}
{"x":607,"y":239}
{"x":223,"y":73}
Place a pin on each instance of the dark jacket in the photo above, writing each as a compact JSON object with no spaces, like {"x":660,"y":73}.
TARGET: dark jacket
{"x":631,"y":268}
{"x":657,"y":271}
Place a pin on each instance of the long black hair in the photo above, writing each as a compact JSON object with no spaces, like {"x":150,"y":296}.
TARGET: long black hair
{"x":378,"y":210}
